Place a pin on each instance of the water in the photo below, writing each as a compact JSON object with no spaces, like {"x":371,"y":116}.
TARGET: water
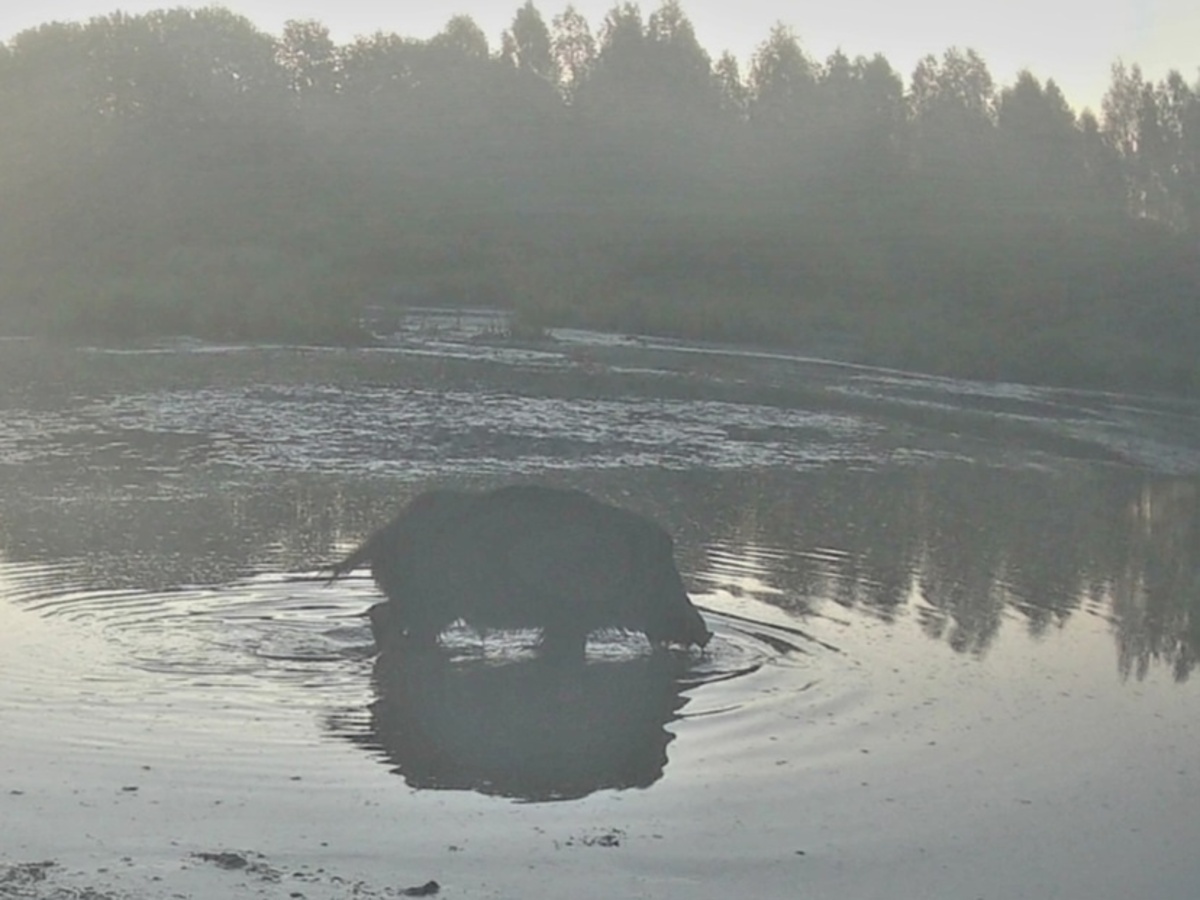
{"x":955,"y":630}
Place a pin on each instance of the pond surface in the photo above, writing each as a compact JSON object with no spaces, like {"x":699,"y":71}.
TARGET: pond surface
{"x":955,"y":631}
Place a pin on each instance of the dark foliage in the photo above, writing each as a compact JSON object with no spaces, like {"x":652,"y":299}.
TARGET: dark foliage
{"x":183,"y":172}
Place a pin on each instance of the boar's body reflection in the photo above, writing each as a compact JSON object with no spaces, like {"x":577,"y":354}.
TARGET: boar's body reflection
{"x":524,"y":557}
{"x":528,"y":729}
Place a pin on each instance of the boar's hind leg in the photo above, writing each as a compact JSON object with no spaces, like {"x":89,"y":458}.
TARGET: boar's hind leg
{"x":563,"y":642}
{"x":393,"y":634}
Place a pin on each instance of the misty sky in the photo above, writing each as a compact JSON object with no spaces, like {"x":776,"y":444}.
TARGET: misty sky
{"x":1072,"y":41}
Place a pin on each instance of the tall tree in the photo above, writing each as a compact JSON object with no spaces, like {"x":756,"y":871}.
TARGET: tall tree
{"x":732,"y":90}
{"x":1172,"y":117}
{"x":1042,"y":147}
{"x":652,"y":81}
{"x":377,"y":64}
{"x":683,"y":66}
{"x":952,"y":104}
{"x":1120,"y":109}
{"x":462,"y":36}
{"x":1152,"y":130}
{"x":782,"y":82}
{"x":859,"y":104}
{"x":529,"y":39}
{"x":307,"y":54}
{"x":956,"y":92}
{"x":574,"y":49}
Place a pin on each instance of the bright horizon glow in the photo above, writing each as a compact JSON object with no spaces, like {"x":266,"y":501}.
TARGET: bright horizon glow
{"x":1071,"y":42}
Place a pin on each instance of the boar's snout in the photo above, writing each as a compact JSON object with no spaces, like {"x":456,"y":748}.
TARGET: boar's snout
{"x":697,"y":630}
{"x":680,"y":622}
{"x":686,"y":629}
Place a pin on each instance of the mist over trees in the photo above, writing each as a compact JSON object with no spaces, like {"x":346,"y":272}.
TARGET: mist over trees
{"x":184,"y":172}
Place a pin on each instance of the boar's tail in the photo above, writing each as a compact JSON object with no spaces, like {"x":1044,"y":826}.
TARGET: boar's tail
{"x":350,"y":563}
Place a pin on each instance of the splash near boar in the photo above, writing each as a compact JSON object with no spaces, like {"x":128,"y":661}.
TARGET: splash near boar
{"x":524,"y":557}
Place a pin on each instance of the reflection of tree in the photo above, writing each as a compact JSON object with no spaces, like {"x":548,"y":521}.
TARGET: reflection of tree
{"x":964,"y":547}
{"x":117,"y":529}
{"x":1155,"y":595}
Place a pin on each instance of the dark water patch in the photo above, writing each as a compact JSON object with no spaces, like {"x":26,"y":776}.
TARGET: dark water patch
{"x":528,"y":729}
{"x":493,"y":716}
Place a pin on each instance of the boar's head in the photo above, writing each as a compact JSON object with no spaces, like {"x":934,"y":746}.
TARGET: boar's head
{"x":671,"y":618}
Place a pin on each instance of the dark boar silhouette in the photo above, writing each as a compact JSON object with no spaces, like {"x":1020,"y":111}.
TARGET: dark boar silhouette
{"x":524,"y":556}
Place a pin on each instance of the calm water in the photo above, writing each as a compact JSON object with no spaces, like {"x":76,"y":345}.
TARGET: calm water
{"x":956,"y":627}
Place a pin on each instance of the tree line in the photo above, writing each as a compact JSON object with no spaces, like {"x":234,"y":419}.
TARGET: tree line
{"x":184,"y":172}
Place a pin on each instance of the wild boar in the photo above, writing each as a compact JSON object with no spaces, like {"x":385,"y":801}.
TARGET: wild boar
{"x":525,"y":556}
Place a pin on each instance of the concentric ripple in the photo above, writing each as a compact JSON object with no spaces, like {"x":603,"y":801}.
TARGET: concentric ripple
{"x":295,"y":627}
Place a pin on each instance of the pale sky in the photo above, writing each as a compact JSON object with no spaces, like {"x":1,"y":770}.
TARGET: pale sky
{"x":1072,"y":41}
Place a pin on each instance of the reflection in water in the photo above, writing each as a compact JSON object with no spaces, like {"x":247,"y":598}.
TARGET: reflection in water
{"x":1155,"y":596}
{"x":970,"y":509}
{"x":529,"y":729}
{"x":913,"y":608}
{"x":965,"y":550}
{"x":501,"y":718}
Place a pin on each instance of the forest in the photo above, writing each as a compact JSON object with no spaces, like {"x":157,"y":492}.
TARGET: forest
{"x":184,"y":173}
